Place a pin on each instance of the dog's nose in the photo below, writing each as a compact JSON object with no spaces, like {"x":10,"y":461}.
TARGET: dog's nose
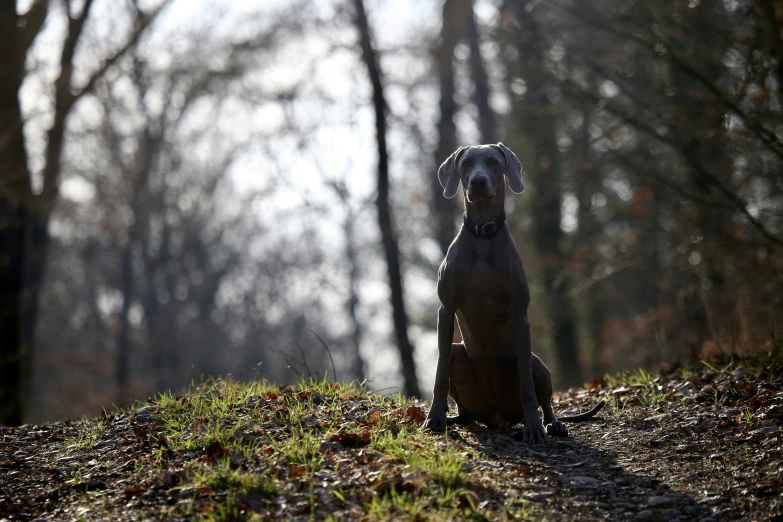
{"x":478,"y":183}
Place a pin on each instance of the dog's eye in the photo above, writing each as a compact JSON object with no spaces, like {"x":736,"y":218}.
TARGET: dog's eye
{"x":467,"y":163}
{"x":492,"y":162}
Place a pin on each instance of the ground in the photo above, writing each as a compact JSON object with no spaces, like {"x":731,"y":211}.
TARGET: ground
{"x":700,"y":443}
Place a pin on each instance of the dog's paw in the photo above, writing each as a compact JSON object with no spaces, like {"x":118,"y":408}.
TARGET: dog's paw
{"x":533,"y":433}
{"x":557,"y":429}
{"x":434,"y":422}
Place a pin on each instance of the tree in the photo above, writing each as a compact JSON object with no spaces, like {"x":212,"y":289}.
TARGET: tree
{"x":26,"y":236}
{"x":18,"y":32}
{"x":385,"y":217}
{"x":538,"y":126}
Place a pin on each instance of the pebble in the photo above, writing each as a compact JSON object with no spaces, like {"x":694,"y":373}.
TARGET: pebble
{"x":739,"y":372}
{"x":645,"y":513}
{"x":147,"y":414}
{"x":105,"y":443}
{"x":585,"y":481}
{"x":537,"y":497}
{"x":187,"y":492}
{"x":95,"y":484}
{"x":671,"y":513}
{"x":66,"y":460}
{"x":764,"y":431}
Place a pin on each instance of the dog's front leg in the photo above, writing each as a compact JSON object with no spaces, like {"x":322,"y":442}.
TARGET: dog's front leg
{"x":534,"y":432}
{"x":436,"y":418}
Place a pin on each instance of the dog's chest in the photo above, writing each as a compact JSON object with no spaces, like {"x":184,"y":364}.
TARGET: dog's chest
{"x":488,"y":287}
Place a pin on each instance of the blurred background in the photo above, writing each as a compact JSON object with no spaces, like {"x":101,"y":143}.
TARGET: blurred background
{"x":199,"y":188}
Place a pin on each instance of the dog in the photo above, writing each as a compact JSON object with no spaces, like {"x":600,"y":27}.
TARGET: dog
{"x":493,"y":375}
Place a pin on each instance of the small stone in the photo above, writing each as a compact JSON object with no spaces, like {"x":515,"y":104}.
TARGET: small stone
{"x":95,"y":484}
{"x":147,"y":414}
{"x":106,"y":443}
{"x":659,"y":501}
{"x":671,"y":513}
{"x":538,"y":497}
{"x":328,"y":447}
{"x":645,"y":513}
{"x":187,"y":492}
{"x":585,"y":481}
{"x":765,"y":431}
{"x":739,"y":372}
{"x":66,"y":460}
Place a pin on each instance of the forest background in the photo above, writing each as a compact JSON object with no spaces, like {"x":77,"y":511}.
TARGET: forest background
{"x":201,"y":188}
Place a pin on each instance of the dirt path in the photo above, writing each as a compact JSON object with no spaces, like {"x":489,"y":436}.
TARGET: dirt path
{"x":679,"y":446}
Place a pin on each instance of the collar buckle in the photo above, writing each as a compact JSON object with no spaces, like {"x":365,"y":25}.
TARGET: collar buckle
{"x":491,"y":225}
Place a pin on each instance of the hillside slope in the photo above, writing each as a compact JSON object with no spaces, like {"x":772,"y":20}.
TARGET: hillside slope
{"x":698,"y":444}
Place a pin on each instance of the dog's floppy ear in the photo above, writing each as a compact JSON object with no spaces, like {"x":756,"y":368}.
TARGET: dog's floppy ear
{"x":448,"y":174}
{"x":513,"y":170}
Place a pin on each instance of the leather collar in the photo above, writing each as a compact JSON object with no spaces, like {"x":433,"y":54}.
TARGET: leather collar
{"x":486,"y":230}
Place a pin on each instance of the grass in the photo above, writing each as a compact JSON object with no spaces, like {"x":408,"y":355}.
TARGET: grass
{"x":256,"y":439}
{"x":444,"y":466}
{"x":652,"y":396}
{"x":632,"y":379}
{"x":87,"y":437}
{"x":617,"y":405}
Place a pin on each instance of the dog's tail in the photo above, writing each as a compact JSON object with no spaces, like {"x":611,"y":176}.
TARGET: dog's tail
{"x":583,"y":416}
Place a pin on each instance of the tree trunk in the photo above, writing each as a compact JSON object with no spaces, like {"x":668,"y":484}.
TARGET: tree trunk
{"x":385,"y":218}
{"x":538,"y":115}
{"x":444,"y":211}
{"x":14,"y":197}
{"x":487,"y":119}
{"x":594,"y":298}
{"x":357,"y":364}
{"x":123,"y":341}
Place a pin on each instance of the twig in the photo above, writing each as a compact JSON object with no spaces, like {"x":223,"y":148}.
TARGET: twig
{"x":290,"y":361}
{"x":304,"y":360}
{"x":329,"y":353}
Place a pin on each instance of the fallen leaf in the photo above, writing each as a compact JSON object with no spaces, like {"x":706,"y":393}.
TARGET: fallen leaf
{"x":416,"y":414}
{"x":133,"y":490}
{"x":215,"y":450}
{"x":597,"y":382}
{"x":296,"y":471}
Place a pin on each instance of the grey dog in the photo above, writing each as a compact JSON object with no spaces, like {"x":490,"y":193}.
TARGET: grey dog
{"x":493,"y":376}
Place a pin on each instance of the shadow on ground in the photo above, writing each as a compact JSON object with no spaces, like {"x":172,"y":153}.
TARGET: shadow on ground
{"x":572,"y":478}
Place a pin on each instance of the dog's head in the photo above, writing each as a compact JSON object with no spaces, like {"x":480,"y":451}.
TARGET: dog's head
{"x":480,"y":169}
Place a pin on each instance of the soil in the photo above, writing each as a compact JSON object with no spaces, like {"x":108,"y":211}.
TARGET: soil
{"x":701,"y":444}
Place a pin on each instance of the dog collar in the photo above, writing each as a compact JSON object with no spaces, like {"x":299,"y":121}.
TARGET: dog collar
{"x":487,"y":230}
